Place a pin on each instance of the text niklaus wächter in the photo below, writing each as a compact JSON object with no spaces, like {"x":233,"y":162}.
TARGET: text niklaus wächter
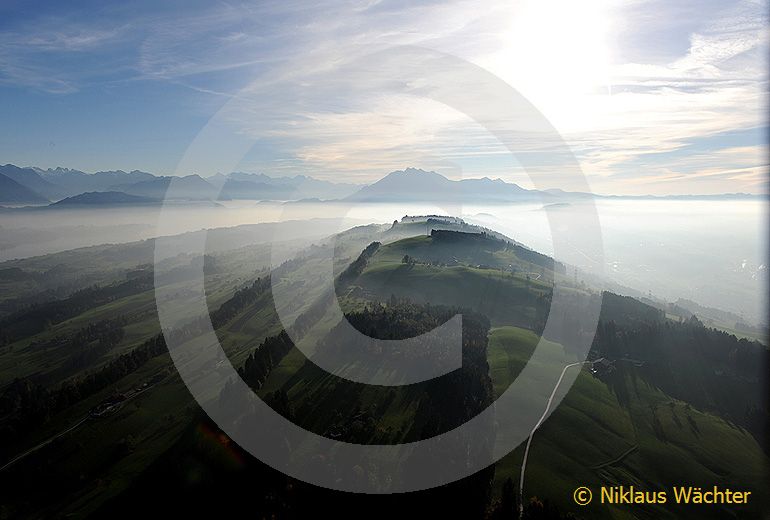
{"x":680,"y":494}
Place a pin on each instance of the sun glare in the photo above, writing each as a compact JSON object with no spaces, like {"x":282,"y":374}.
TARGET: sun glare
{"x":557,"y":54}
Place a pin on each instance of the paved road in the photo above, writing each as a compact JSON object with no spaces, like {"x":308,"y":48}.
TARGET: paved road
{"x":529,"y":441}
{"x":68,"y":430}
{"x":44,"y":443}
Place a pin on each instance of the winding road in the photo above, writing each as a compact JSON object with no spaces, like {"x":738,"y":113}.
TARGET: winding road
{"x":539,"y":422}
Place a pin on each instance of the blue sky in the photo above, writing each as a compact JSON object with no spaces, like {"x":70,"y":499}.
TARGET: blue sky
{"x":652,"y":97}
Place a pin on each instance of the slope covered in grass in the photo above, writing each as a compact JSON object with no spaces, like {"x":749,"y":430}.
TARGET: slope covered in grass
{"x":473,"y":271}
{"x":652,"y":442}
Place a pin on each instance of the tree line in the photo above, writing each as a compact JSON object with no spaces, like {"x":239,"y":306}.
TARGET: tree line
{"x":26,"y":405}
{"x":708,"y":368}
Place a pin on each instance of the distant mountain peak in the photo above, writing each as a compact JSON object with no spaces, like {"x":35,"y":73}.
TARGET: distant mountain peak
{"x":415,"y":171}
{"x":415,"y":184}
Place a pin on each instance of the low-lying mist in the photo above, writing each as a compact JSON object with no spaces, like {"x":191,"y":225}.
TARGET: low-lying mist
{"x":710,"y":252}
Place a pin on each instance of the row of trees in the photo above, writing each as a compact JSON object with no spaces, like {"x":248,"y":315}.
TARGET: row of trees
{"x":359,"y":264}
{"x":265,"y":357}
{"x":25,"y":404}
{"x":92,"y":342}
{"x":37,"y":317}
{"x":240,"y":300}
{"x":709,"y":368}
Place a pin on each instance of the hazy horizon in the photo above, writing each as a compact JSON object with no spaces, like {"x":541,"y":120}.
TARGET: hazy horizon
{"x":288,"y":175}
{"x":720,"y":255}
{"x":670,"y":104}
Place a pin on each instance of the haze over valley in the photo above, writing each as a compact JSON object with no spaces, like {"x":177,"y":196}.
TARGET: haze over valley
{"x":377,"y":259}
{"x":707,"y":234}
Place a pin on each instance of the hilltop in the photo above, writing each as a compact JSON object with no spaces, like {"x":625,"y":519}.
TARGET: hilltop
{"x":660,"y":401}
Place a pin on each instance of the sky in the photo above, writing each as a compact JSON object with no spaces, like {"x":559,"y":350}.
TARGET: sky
{"x":659,"y":97}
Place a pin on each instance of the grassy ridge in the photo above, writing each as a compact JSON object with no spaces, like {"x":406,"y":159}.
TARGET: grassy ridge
{"x":665,"y":440}
{"x":675,"y":443}
{"x":479,"y":278}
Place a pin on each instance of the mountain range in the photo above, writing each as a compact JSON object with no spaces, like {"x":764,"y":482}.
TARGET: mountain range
{"x":415,"y":185}
{"x":104,"y":198}
{"x":12,"y":192}
{"x":35,"y":186}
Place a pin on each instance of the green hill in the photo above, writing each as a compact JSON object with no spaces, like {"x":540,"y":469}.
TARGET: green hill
{"x":668,"y":403}
{"x":648,"y":440}
{"x":472,"y":270}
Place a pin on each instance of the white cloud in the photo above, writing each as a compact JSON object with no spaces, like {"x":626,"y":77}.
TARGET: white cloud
{"x":559,"y":55}
{"x":706,"y":76}
{"x":33,"y":56}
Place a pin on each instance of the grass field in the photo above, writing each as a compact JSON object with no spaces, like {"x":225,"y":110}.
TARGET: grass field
{"x":594,"y":437}
{"x":675,"y":443}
